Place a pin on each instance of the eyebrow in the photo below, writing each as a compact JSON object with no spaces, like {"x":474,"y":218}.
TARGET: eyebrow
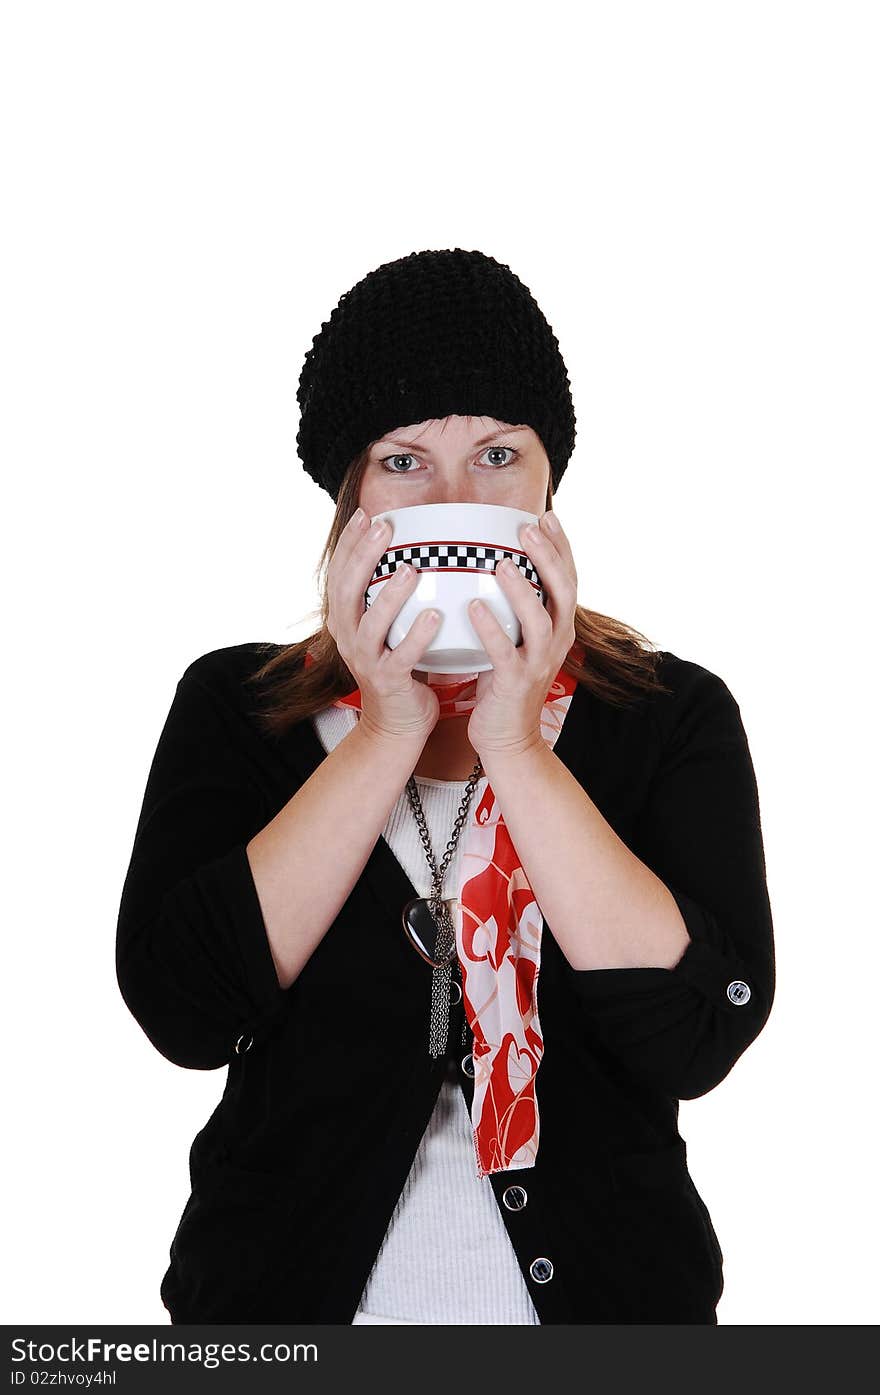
{"x":426,"y":450}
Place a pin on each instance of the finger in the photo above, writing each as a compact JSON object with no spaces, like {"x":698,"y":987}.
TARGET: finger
{"x":389,"y":601}
{"x":348,"y":584}
{"x":557,"y":537}
{"x":535,"y":622}
{"x":346,"y":572}
{"x":494,"y":639}
{"x":557,"y":573}
{"x":414,"y":642}
{"x":352,"y":534}
{"x":550,"y":546}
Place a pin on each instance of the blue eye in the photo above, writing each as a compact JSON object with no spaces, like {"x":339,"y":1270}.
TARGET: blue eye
{"x":407,"y":455}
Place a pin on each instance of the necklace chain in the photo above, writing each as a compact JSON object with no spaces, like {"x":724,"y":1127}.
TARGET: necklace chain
{"x":419,"y":813}
{"x":445,"y":943}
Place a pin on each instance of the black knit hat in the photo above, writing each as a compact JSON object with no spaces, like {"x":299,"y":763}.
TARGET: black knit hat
{"x":431,"y":335}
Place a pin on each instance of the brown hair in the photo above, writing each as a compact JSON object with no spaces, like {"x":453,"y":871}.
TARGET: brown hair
{"x":619,"y":664}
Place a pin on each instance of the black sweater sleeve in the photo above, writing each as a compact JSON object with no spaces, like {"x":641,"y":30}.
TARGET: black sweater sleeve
{"x":682,"y":1029}
{"x":193,"y":961}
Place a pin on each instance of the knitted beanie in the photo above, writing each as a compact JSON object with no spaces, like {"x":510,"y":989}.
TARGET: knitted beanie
{"x":431,"y":335}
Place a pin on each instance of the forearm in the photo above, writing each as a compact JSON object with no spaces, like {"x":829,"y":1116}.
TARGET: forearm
{"x":605,"y":907}
{"x":306,"y":862}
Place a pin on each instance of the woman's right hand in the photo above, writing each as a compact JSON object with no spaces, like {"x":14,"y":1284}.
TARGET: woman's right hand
{"x":393,"y":703}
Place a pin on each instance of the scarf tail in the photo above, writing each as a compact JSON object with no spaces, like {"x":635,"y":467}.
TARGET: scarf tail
{"x":498,"y":933}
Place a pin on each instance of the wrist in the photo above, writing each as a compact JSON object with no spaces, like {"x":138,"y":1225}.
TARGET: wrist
{"x":408,"y":742}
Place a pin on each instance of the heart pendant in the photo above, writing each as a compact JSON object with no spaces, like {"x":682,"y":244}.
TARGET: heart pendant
{"x":423,"y":932}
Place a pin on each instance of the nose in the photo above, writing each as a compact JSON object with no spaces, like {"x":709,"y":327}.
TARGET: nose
{"x":453,"y":489}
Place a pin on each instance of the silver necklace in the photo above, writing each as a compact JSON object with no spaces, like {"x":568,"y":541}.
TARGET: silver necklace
{"x":428,"y":923}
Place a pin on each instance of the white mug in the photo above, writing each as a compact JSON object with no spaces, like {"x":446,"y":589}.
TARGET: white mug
{"x":455,"y":548}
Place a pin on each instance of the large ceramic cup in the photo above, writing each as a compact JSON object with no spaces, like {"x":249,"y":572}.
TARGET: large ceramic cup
{"x":455,"y":548}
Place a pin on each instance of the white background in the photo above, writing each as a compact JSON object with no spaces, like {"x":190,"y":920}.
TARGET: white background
{"x":690,"y":192}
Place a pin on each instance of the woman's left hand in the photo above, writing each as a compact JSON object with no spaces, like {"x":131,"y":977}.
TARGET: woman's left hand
{"x":511,"y":695}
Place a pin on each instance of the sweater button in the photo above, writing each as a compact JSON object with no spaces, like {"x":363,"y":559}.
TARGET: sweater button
{"x":455,"y":992}
{"x":248,"y":1040}
{"x":541,"y":1270}
{"x":738,"y":992}
{"x":467,"y":1065}
{"x":514,"y":1198}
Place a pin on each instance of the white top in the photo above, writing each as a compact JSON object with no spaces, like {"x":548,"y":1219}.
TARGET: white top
{"x":446,"y":1256}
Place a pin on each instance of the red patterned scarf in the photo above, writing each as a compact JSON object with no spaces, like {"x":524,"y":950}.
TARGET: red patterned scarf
{"x":498,"y":939}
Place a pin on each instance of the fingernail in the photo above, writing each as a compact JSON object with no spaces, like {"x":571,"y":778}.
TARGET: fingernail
{"x":552,"y":522}
{"x":378,"y":528}
{"x":358,"y":517}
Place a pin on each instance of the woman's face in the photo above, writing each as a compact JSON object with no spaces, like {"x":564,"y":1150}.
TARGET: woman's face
{"x":456,"y":459}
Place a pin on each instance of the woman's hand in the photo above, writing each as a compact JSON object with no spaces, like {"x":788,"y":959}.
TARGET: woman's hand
{"x":511,"y":695}
{"x":393,"y":703}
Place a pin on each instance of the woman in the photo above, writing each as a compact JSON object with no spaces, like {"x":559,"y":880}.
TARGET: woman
{"x":403,"y":1136}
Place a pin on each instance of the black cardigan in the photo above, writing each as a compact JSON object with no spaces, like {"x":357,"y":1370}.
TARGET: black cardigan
{"x":297,"y":1172}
